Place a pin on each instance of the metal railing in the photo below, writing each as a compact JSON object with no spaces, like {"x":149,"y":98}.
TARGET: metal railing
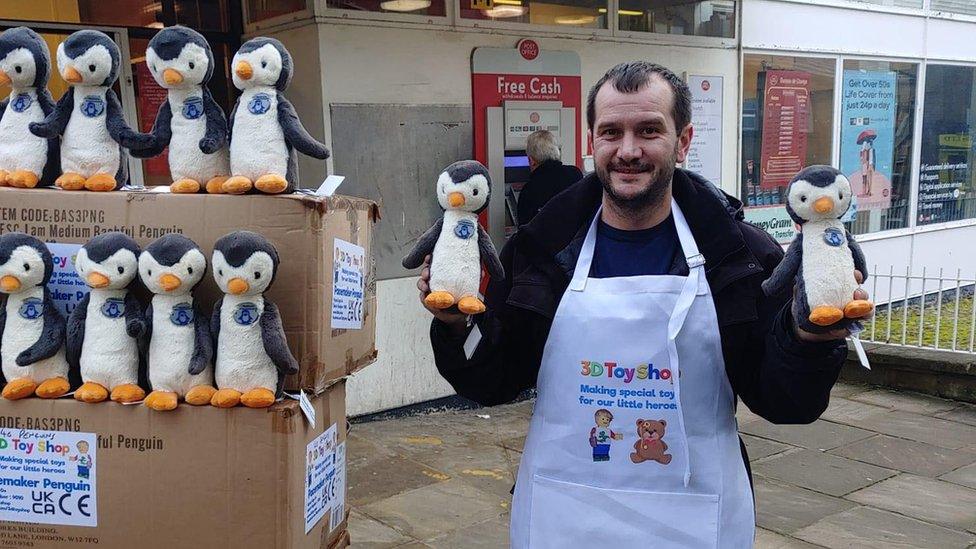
{"x":927,"y":310}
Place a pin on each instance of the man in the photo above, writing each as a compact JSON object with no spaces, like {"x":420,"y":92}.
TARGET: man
{"x":638,"y":291}
{"x":548,"y":176}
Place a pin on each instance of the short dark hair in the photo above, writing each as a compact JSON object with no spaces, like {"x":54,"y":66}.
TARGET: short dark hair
{"x":632,"y":76}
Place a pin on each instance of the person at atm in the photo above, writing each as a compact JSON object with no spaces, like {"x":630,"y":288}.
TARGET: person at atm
{"x":548,"y":176}
{"x":638,"y":291}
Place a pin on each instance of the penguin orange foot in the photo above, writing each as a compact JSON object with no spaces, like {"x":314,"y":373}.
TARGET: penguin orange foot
{"x":439,"y":300}
{"x":216,"y":185}
{"x":184,"y":186}
{"x":70,"y":181}
{"x":236,"y":185}
{"x":4,"y":178}
{"x":24,"y":179}
{"x":200,"y":395}
{"x":100,"y":182}
{"x":161,"y":401}
{"x":271,"y":184}
{"x":52,"y":388}
{"x":258,"y":398}
{"x":859,"y":308}
{"x":471,"y":305}
{"x":226,"y":398}
{"x":127,"y":393}
{"x":91,"y":393}
{"x":19,"y":388}
{"x":825,"y":315}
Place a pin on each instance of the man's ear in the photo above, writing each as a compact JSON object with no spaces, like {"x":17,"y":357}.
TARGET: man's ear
{"x":684,"y":142}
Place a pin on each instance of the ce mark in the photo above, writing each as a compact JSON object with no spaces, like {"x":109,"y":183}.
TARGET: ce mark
{"x":81,"y":504}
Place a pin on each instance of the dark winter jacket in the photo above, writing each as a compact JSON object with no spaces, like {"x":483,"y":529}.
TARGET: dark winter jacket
{"x":777,"y":376}
{"x":546,"y":181}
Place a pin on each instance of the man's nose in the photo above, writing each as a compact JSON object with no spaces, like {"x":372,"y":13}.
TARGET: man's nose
{"x":629,"y":149}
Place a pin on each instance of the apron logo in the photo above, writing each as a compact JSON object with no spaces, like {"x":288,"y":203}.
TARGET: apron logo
{"x":21,"y":103}
{"x":92,"y":106}
{"x":259,"y":104}
{"x":193,"y":108}
{"x":113,"y":307}
{"x":32,"y":308}
{"x":601,"y":436}
{"x":611,"y":370}
{"x":182,"y":314}
{"x":246,"y":314}
{"x":650,"y":444}
{"x":833,"y":237}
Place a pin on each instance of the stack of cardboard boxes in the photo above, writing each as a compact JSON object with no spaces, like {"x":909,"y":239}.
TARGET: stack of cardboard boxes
{"x":74,"y":474}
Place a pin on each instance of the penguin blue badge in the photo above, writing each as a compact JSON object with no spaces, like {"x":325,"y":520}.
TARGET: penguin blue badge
{"x":464,"y":229}
{"x":32,"y":308}
{"x":259,"y":104}
{"x":114,"y":307}
{"x":833,"y":237}
{"x":193,"y":108}
{"x":182,"y":314}
{"x":246,"y":314}
{"x":92,"y":106}
{"x":21,"y":103}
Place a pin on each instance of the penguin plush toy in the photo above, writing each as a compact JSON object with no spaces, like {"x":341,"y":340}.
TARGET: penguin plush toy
{"x":823,"y":256}
{"x":180,"y":350}
{"x":31,"y":327}
{"x":105,"y":328}
{"x":89,"y":116}
{"x":265,"y":129}
{"x":252,"y":353}
{"x":26,"y":161}
{"x":457,"y":243}
{"x":189,"y":122}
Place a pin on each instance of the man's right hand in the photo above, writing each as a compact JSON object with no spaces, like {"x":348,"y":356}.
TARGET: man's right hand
{"x":454,"y":319}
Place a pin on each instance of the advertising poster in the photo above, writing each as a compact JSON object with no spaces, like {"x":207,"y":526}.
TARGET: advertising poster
{"x":705,"y":155}
{"x":66,"y":287}
{"x":785,"y":114}
{"x":867,"y":135}
{"x":151,"y":96}
{"x":774,"y":220}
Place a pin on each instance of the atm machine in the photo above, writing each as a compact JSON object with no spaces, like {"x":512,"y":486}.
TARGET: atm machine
{"x":508,"y":127}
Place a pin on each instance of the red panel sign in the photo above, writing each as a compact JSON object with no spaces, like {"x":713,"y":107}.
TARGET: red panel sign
{"x":786,"y":109}
{"x":151,"y":96}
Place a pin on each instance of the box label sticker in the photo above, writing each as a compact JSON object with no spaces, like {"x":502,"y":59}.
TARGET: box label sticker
{"x":338,"y":493}
{"x":48,"y":477}
{"x":66,"y":287}
{"x":320,"y":477}
{"x":349,"y":264}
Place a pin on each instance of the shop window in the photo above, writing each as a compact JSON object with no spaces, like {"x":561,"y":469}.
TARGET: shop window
{"x":204,"y":15}
{"x":877,"y":113}
{"x":435,"y":8}
{"x":587,"y":14}
{"x":122,"y":13}
{"x":262,"y":10}
{"x":954,"y":6}
{"x":707,"y":18}
{"x":787,"y":123}
{"x":899,"y":3}
{"x":947,"y":179}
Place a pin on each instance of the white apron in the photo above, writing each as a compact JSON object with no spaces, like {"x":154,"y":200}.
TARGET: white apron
{"x":666,"y":471}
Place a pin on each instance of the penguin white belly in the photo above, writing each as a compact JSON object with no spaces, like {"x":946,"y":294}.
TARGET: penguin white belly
{"x":86,"y":146}
{"x":171,"y":346}
{"x":109,"y":356}
{"x":189,"y":126}
{"x":828,"y":266}
{"x":258,"y":144}
{"x":242,"y":363}
{"x":456,"y":262}
{"x":19,"y":148}
{"x":23,"y":328}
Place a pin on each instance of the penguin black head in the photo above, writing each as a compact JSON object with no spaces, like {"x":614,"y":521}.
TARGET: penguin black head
{"x":89,"y":57}
{"x":172,"y":265}
{"x":262,"y":61}
{"x":817,"y":193}
{"x":244,"y":263}
{"x":108,"y":261}
{"x":25,"y":61}
{"x":25,"y":262}
{"x":465,"y":186}
{"x":179,"y":57}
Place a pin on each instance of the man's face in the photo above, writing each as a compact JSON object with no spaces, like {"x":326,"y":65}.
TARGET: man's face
{"x":635,"y":145}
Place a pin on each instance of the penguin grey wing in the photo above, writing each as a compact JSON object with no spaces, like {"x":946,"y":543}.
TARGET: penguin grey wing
{"x":424,"y":246}
{"x":215,"y":322}
{"x":161,"y":133}
{"x":147,"y":333}
{"x":76,"y":333}
{"x":489,"y":256}
{"x":295,"y":134}
{"x":52,"y":168}
{"x":202,"y":343}
{"x":135,"y":321}
{"x":275,"y":344}
{"x":785,"y":273}
{"x":230,"y":120}
{"x":119,"y":129}
{"x":860,"y":263}
{"x":53,"y":125}
{"x":52,"y":335}
{"x":3,"y":106}
{"x":215,"y":137}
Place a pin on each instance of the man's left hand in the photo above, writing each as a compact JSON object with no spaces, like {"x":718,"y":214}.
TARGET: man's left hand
{"x":833,"y":335}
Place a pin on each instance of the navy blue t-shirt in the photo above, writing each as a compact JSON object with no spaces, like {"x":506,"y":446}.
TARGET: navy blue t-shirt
{"x":634,"y":253}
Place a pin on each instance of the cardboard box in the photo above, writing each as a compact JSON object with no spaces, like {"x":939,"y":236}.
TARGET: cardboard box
{"x":308,"y":232}
{"x":193,"y":477}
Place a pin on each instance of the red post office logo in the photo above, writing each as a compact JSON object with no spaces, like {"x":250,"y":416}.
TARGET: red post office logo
{"x":528,"y":49}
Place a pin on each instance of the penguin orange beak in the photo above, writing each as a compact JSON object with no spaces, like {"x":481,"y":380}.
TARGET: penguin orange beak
{"x":4,"y":79}
{"x":456,"y":200}
{"x":170,"y":282}
{"x":172,"y":77}
{"x":98,"y":280}
{"x":823,"y":205}
{"x":237,"y":286}
{"x":243,"y":70}
{"x":10,"y":283}
{"x":71,"y":75}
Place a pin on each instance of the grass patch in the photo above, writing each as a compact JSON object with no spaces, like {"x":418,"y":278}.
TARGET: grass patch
{"x":911,"y":319}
